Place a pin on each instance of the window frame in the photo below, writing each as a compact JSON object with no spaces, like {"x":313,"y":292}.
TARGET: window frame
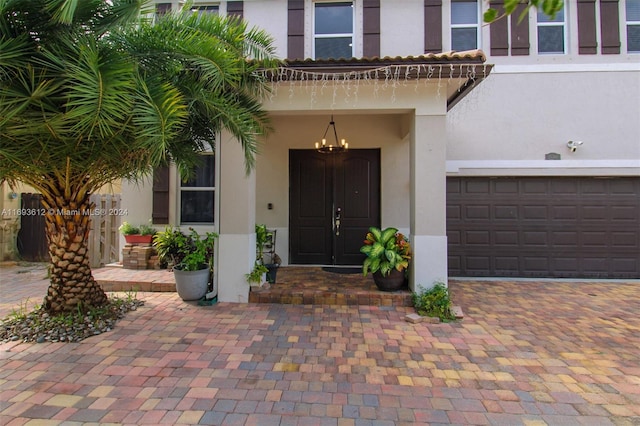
{"x":477,"y":26}
{"x":201,"y":8}
{"x":565,"y":31}
{"x":212,"y":189}
{"x":316,"y":36}
{"x":628,"y":23}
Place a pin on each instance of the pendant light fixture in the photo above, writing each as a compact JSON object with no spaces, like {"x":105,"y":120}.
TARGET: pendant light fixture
{"x":338,"y":146}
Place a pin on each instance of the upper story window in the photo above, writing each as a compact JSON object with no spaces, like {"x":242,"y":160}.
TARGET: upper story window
{"x":197,"y":194}
{"x":551,"y":33}
{"x":333,"y":30}
{"x":464,"y":25}
{"x":200,"y":9}
{"x":162,"y":8}
{"x":633,"y":25}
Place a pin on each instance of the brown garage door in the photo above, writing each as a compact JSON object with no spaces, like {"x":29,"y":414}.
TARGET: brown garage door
{"x":544,"y":227}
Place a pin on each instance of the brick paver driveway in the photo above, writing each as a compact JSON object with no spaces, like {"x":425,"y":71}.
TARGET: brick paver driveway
{"x":526,"y":353}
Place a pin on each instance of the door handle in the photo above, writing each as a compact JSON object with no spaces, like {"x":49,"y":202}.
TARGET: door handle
{"x":337,"y":220}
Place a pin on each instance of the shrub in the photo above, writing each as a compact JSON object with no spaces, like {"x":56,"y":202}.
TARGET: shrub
{"x":434,"y":302}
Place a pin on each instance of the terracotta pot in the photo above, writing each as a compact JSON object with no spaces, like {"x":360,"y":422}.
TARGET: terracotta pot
{"x":138,"y":239}
{"x":392,"y":282}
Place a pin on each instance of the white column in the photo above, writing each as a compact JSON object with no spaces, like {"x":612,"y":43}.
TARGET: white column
{"x":428,"y":201}
{"x":237,"y":210}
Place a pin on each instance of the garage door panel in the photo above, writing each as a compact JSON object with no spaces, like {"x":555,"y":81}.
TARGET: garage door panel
{"x":595,"y":239}
{"x":454,"y":213}
{"x":536,"y":227}
{"x":595,"y":213}
{"x":534,"y":212}
{"x":564,"y":213}
{"x":477,"y":212}
{"x":624,"y":239}
{"x":508,"y":212}
{"x":624,"y":213}
{"x":507,"y":238}
{"x":535,"y":264}
{"x":477,"y":263}
{"x":477,"y":238}
{"x":567,"y":239}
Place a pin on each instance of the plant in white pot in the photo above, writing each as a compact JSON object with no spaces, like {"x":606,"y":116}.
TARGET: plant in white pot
{"x":192,"y":258}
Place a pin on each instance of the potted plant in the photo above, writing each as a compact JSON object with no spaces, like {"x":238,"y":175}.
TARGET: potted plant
{"x":192,"y":259}
{"x":388,"y":255}
{"x":266,"y":239}
{"x":142,"y":234}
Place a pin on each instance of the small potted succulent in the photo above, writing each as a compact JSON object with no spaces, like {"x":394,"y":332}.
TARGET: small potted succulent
{"x":142,"y":234}
{"x":388,"y":255}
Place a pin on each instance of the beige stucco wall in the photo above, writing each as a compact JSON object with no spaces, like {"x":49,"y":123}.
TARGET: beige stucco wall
{"x":508,"y":124}
{"x":383,"y":131}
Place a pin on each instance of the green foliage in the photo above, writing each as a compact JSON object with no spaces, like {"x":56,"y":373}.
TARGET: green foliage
{"x":128,"y":229}
{"x":185,"y":252}
{"x":548,"y":7}
{"x":434,"y":302}
{"x":256,"y":274}
{"x":147,"y":229}
{"x":385,"y":250}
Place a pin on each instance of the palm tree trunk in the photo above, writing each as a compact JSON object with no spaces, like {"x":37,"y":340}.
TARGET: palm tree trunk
{"x":67,"y":227}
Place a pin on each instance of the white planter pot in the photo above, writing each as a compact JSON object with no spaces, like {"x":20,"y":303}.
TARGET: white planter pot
{"x":191,"y":285}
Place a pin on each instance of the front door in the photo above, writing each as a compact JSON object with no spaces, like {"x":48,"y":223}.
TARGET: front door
{"x":333,"y":200}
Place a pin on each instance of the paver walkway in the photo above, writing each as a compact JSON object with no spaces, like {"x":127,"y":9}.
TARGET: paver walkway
{"x":526,"y":353}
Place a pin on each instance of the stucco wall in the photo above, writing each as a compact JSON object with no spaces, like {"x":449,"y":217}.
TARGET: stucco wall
{"x":518,"y":117}
{"x":383,"y":131}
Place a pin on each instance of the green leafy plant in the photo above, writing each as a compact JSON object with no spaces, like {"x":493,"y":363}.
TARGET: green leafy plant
{"x":128,"y":229}
{"x":147,"y":229}
{"x":434,"y":302}
{"x":185,"y":252}
{"x":385,"y":250}
{"x":255,"y":276}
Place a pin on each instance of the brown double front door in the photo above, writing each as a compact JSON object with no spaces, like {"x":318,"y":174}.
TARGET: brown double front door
{"x":333,"y":200}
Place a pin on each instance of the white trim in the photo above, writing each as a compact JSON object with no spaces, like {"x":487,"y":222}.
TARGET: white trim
{"x":558,"y":68}
{"x":623,"y":166}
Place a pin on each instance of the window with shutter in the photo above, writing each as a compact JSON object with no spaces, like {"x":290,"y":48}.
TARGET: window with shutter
{"x":610,"y":27}
{"x":371,"y":28}
{"x":295,"y":30}
{"x":587,"y":44}
{"x":235,"y":8}
{"x":333,"y":30}
{"x":197,"y":194}
{"x":551,"y":33}
{"x":464,"y":25}
{"x":432,"y":26}
{"x":632,"y":14}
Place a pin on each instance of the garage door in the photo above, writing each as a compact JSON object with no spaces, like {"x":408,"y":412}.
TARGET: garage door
{"x":574,"y":227}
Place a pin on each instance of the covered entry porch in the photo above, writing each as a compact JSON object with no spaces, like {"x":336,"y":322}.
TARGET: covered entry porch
{"x":394,"y":106}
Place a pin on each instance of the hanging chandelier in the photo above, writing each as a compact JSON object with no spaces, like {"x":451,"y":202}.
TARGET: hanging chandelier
{"x":339,"y":146}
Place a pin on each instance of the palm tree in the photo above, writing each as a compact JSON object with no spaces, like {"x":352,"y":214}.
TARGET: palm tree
{"x":91,"y":92}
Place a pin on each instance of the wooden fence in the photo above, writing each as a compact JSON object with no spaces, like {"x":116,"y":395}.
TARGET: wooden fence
{"x":104,"y":241}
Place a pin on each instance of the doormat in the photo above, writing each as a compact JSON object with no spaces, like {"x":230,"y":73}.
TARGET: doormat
{"x":343,"y":269}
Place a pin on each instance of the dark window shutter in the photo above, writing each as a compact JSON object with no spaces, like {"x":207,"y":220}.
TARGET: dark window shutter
{"x":610,"y":27}
{"x":235,"y":8}
{"x":587,"y":44}
{"x":520,"y":31}
{"x":160,"y":213}
{"x":432,"y":26}
{"x":371,"y":28}
{"x":499,"y":32}
{"x":162,"y":8}
{"x":295,"y":30}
